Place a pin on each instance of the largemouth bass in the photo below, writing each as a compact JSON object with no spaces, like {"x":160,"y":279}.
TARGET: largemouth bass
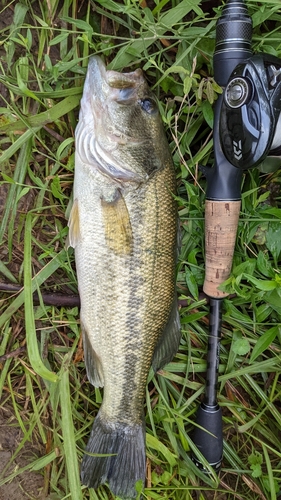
{"x":123,"y":226}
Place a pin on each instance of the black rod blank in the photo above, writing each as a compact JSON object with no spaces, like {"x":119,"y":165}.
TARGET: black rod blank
{"x":215,"y":316}
{"x":207,"y":435}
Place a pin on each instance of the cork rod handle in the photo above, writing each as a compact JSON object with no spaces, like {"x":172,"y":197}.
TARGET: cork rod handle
{"x":221,"y":222}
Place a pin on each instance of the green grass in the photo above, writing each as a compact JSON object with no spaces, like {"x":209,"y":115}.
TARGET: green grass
{"x":44,"y":54}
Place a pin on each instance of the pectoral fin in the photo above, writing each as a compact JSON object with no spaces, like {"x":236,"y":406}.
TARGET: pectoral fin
{"x":169,"y":341}
{"x":92,"y":362}
{"x":74,"y":226}
{"x":117,"y":225}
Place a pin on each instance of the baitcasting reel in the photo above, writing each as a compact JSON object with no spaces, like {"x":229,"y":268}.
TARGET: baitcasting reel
{"x":250,"y":119}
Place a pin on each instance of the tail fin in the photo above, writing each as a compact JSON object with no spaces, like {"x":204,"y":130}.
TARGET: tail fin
{"x":125,"y":466}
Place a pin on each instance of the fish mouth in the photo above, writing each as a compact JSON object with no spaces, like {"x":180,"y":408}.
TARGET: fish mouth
{"x":113,"y":78}
{"x":100,"y":87}
{"x":121,"y":87}
{"x":124,"y":81}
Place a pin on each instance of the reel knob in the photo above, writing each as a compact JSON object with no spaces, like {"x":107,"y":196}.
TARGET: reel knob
{"x":237,"y":92}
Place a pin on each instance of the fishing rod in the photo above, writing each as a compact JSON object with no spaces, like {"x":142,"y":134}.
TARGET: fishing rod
{"x":246,"y":124}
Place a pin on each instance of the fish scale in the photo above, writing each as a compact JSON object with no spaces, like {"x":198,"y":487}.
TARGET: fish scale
{"x":124,"y":230}
{"x":135,"y":315}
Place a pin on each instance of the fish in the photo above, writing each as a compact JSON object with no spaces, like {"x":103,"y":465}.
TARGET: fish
{"x":123,"y":227}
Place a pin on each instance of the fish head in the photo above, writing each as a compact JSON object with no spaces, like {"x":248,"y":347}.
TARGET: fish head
{"x":120,"y":124}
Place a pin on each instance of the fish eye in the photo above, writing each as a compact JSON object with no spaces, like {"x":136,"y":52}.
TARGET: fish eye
{"x":148,"y":105}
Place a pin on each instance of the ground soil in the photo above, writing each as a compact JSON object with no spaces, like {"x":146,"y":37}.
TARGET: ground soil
{"x":29,"y":484}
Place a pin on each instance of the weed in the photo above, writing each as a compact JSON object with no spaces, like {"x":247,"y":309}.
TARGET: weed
{"x":44,"y":53}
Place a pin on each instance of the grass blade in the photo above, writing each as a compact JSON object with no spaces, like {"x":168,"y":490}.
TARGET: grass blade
{"x":31,"y":339}
{"x":36,"y":281}
{"x":68,"y":433}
